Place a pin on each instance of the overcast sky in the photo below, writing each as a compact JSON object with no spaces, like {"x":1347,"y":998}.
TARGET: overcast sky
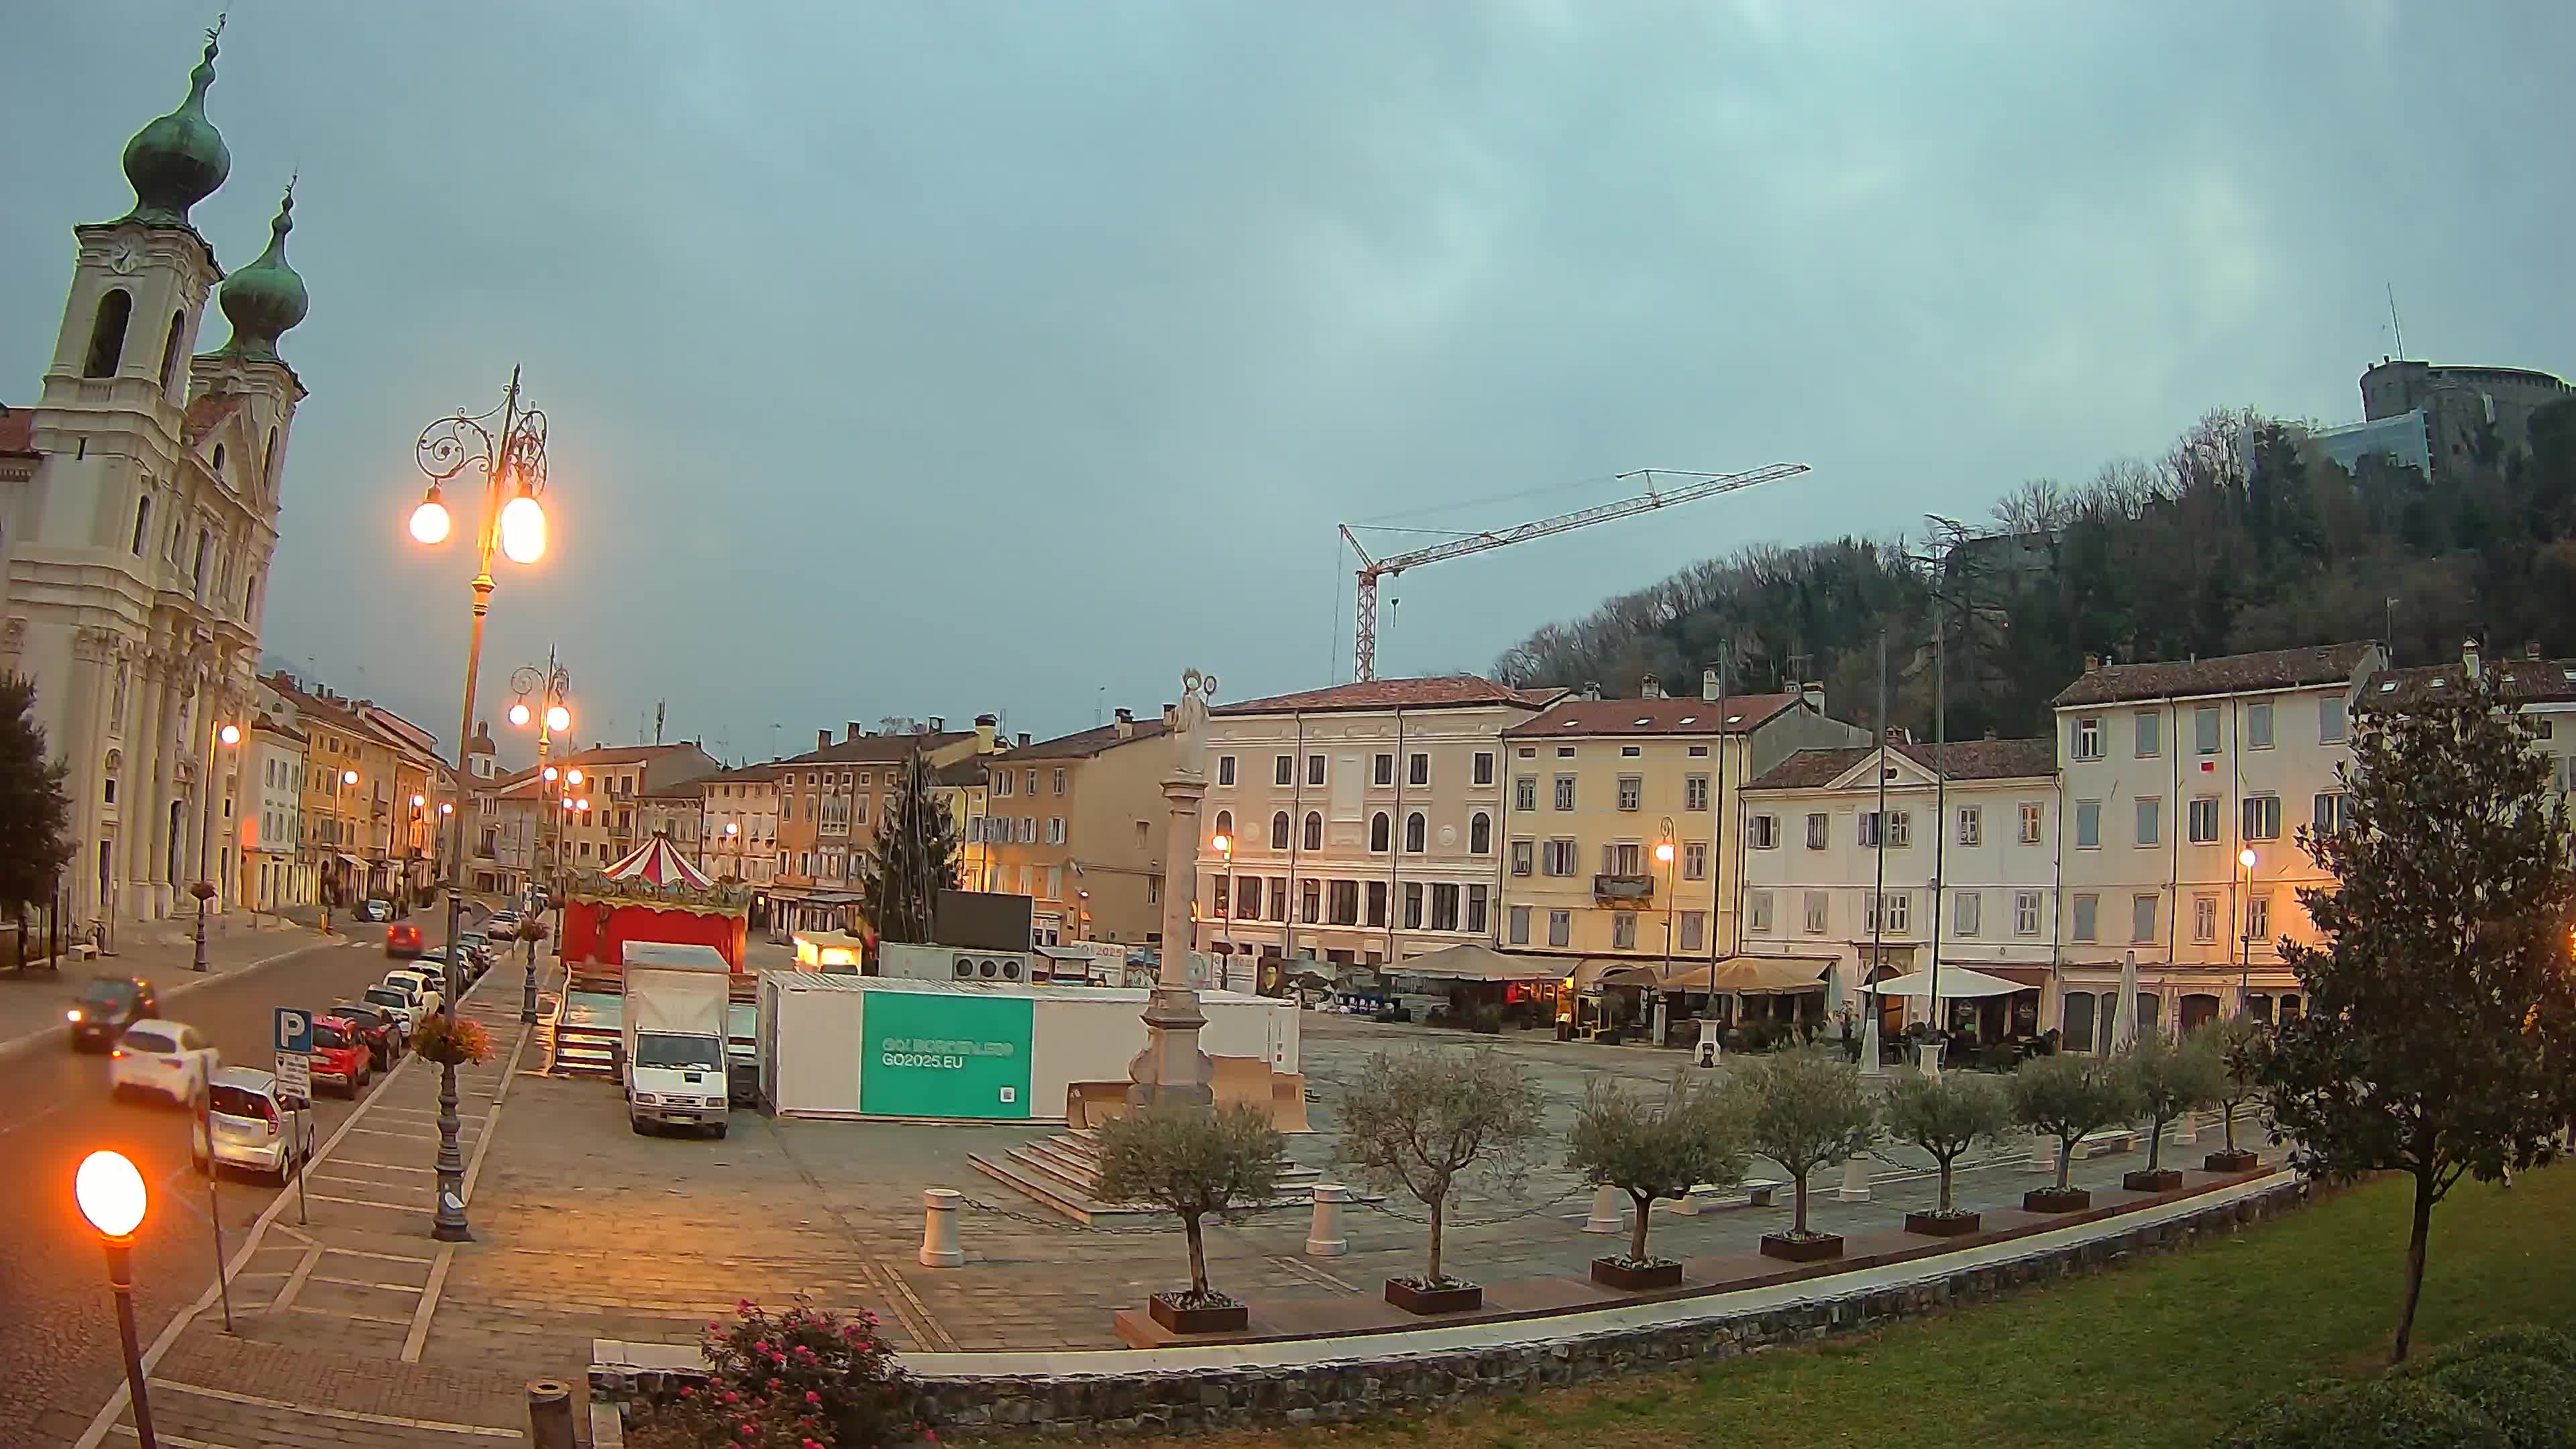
{"x":931,"y":359}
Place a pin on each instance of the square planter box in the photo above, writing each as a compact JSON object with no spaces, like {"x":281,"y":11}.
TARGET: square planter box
{"x":2238,"y":1161}
{"x":1662,"y":1273}
{"x":1226,"y":1318}
{"x":1942,"y":1225}
{"x":2163,"y":1179}
{"x":2050,"y":1200}
{"x":1457,"y":1298}
{"x":1802,"y":1250}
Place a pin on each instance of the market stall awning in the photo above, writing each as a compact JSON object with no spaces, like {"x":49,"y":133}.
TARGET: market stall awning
{"x":1738,"y":975}
{"x":1958,"y":983}
{"x":655,"y":863}
{"x":352,"y":861}
{"x":1472,"y":962}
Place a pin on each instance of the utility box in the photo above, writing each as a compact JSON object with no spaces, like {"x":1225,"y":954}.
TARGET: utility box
{"x":961,"y":964}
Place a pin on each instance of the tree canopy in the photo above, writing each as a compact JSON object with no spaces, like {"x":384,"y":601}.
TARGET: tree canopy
{"x":35,"y":815}
{"x":912,"y":859}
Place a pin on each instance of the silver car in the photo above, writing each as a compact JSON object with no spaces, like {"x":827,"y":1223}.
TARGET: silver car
{"x":251,"y":1126}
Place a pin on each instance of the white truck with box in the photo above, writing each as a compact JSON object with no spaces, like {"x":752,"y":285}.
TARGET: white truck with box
{"x":674,"y":1036}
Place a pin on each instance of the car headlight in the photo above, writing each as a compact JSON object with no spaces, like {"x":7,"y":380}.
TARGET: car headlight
{"x":647,"y":1099}
{"x":71,"y":1016}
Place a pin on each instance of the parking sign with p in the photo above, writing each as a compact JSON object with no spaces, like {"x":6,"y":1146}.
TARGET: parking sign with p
{"x":294,"y":1031}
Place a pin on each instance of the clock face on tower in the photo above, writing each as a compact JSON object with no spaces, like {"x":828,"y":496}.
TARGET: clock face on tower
{"x":125,"y":257}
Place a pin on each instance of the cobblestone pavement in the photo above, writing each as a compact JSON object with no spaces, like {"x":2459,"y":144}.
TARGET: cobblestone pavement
{"x":331,"y":1314}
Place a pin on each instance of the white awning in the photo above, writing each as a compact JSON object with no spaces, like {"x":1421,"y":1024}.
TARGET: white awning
{"x":1958,"y":983}
{"x":1471,"y":962}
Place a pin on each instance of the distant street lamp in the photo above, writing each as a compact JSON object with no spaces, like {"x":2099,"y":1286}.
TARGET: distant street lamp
{"x":111,"y":1195}
{"x":1664,"y":858}
{"x":1224,"y":844}
{"x":513,"y":464}
{"x":548,"y":685}
{"x":224,"y":736}
{"x":2245,"y":935}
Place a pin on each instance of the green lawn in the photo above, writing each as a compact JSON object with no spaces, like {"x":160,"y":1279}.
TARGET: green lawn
{"x":2168,"y":1351}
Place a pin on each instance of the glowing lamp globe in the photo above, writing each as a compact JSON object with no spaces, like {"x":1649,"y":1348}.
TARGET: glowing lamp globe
{"x":110,"y":1193}
{"x":519,"y":715}
{"x":560,"y":718}
{"x":1664,"y":852}
{"x":348,"y":777}
{"x":1224,"y":844}
{"x":429,"y":522}
{"x":229,"y":734}
{"x":2245,"y":857}
{"x":573,"y":775}
{"x":584,"y":805}
{"x":523,"y":529}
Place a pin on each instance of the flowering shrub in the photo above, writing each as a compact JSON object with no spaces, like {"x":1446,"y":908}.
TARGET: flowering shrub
{"x":805,"y":1378}
{"x":452,"y":1040}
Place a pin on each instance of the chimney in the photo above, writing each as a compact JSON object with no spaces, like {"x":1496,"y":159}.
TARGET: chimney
{"x":1171,"y":716}
{"x":1650,"y":686}
{"x":1813,"y":692}
{"x":939,"y":724}
{"x":1126,"y":724}
{"x":850,"y":729}
{"x":1592,"y":689}
{"x":1024,"y":739}
{"x":985,"y":726}
{"x":1708,"y":685}
{"x":1990,"y":734}
{"x":823,"y":738}
{"x":2092,"y":663}
{"x":2469,"y":658}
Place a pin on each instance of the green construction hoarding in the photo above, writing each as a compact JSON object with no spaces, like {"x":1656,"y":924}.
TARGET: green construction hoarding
{"x":945,"y":1054}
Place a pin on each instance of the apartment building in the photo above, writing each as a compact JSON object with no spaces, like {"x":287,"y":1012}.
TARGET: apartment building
{"x":1366,"y":819}
{"x":963,"y":788}
{"x":740,"y":830}
{"x":677,"y":813}
{"x":614,"y":779}
{"x":1883,"y":859}
{"x":2173,"y":777}
{"x":1598,"y":786}
{"x":272,"y":825}
{"x":1079,"y":825}
{"x":831,"y":801}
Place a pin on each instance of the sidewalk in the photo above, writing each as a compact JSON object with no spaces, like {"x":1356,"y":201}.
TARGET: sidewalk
{"x":161,"y":952}
{"x":332,"y":1313}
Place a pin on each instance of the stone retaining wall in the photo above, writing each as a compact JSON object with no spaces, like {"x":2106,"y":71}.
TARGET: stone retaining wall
{"x":1149,"y":1401}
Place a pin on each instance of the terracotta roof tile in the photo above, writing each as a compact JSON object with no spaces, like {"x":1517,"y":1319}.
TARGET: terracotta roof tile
{"x":1580,"y":717}
{"x":2226,"y":674}
{"x":1453,"y":691}
{"x":2528,"y":681}
{"x":1082,"y":744}
{"x":205,"y":414}
{"x":877,"y":749}
{"x":1960,"y":759}
{"x":17,"y":430}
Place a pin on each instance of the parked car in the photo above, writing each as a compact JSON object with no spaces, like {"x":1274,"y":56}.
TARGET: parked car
{"x":478,"y":950}
{"x":340,"y":1055}
{"x":425,"y":997}
{"x":379,"y":1025}
{"x":247,"y":1125}
{"x":107,"y":1006}
{"x":502,"y":925}
{"x":402,"y":940}
{"x":433,"y":964}
{"x":403,"y":1004}
{"x":166,"y":1057}
{"x":375,"y":908}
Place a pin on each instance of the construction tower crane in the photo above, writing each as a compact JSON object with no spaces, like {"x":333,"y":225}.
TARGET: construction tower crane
{"x":1371,"y":570}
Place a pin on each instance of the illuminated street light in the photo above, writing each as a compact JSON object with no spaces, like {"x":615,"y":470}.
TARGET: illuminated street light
{"x":348,"y":777}
{"x":573,"y":776}
{"x":558,"y":718}
{"x":585,"y":803}
{"x":429,"y":522}
{"x":111,"y":1195}
{"x":519,"y":715}
{"x":523,"y":529}
{"x":417,"y":802}
{"x":210,"y":781}
{"x":229,"y":734}
{"x":2245,"y":857}
{"x":551,"y":772}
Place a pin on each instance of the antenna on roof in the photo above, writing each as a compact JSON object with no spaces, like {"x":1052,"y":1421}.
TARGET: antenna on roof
{"x":2393,"y":324}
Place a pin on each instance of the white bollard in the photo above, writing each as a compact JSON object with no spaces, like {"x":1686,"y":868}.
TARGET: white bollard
{"x":1928,"y":1057}
{"x":1324,"y":1239}
{"x":939,"y":1228}
{"x":1606,"y":1217}
{"x":1855,"y":1186}
{"x":2187,"y":1130}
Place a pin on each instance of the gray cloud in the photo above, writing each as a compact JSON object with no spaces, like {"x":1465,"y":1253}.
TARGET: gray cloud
{"x":931,"y":359}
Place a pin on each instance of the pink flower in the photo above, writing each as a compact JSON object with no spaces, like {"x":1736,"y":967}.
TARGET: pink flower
{"x":686,"y":1391}
{"x":760,"y":1345}
{"x":812,"y":1397}
{"x":728,"y":1396}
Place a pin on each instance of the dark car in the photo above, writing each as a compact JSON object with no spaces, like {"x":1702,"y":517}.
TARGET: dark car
{"x":107,"y":1006}
{"x":402,"y":940}
{"x":379,"y":1028}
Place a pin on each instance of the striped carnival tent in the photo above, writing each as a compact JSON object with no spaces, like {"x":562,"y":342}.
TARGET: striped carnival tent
{"x":655,"y":863}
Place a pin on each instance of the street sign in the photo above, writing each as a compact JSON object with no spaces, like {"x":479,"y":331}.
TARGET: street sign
{"x":294,"y":1031}
{"x":295,"y":1077}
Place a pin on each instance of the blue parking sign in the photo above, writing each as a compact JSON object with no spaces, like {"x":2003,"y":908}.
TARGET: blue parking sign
{"x":294,"y":1031}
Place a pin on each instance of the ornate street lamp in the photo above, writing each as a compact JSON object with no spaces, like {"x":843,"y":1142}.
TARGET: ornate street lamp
{"x":111,"y":1195}
{"x":550,"y":715}
{"x":513,"y":463}
{"x":223,"y":737}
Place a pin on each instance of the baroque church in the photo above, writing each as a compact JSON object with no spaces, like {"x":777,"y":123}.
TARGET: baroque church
{"x":138,"y":517}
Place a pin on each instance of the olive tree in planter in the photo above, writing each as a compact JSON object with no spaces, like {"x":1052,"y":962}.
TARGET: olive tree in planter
{"x":1651,"y":1149}
{"x":2066,"y":1098}
{"x":1946,"y":1116}
{"x":2165,"y":1079}
{"x":1422,"y":1122}
{"x":1804,"y":1109}
{"x":2244,"y":1048}
{"x":1192,"y":1163}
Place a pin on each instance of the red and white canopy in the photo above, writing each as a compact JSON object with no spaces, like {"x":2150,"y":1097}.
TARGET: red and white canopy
{"x":655,"y":863}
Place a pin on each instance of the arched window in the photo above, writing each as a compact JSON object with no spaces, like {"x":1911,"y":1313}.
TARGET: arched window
{"x":1225,"y":825}
{"x":219,"y":462}
{"x":1414,"y":826}
{"x":170,"y":351}
{"x":1379,"y":831}
{"x":142,"y":521}
{"x":250,"y":608}
{"x":1314,"y":830}
{"x":1480,"y":834}
{"x":205,"y":541}
{"x":107,"y":333}
{"x":1279,"y":831}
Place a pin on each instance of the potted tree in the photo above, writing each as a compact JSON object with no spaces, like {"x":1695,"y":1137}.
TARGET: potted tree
{"x":2244,"y":1048}
{"x":1946,"y":1116}
{"x":1650,"y":1149}
{"x":2165,"y":1079}
{"x":1803,"y":1110}
{"x":1423,"y":1122}
{"x":2065,"y":1097}
{"x":1192,"y":1163}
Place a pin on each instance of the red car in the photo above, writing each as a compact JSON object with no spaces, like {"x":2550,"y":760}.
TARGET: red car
{"x":340,"y":1055}
{"x":402,"y":941}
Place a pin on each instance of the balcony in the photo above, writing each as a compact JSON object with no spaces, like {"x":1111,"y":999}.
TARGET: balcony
{"x":1624,"y":890}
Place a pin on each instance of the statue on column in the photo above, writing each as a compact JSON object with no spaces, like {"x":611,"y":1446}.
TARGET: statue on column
{"x":1171,"y":1070}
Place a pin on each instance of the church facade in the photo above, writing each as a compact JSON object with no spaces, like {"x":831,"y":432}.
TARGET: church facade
{"x":138,"y":520}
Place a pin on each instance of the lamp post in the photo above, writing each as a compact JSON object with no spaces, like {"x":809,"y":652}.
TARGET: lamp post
{"x":513,"y":464}
{"x":549,"y":714}
{"x":1664,"y":856}
{"x":110,"y":1193}
{"x":222,"y":737}
{"x":338,"y":782}
{"x":2245,"y":935}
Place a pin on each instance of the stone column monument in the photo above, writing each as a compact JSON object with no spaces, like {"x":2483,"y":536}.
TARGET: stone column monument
{"x":1171,"y":1070}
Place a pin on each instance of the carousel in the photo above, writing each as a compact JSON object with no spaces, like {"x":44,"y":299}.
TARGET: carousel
{"x":652,"y":894}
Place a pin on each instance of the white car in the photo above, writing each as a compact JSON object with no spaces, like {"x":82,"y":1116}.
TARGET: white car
{"x":167,"y":1057}
{"x":252,"y":1127}
{"x":398,"y":1001}
{"x":425,"y":997}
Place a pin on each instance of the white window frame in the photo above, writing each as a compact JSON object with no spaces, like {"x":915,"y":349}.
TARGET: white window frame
{"x":2026,"y":913}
